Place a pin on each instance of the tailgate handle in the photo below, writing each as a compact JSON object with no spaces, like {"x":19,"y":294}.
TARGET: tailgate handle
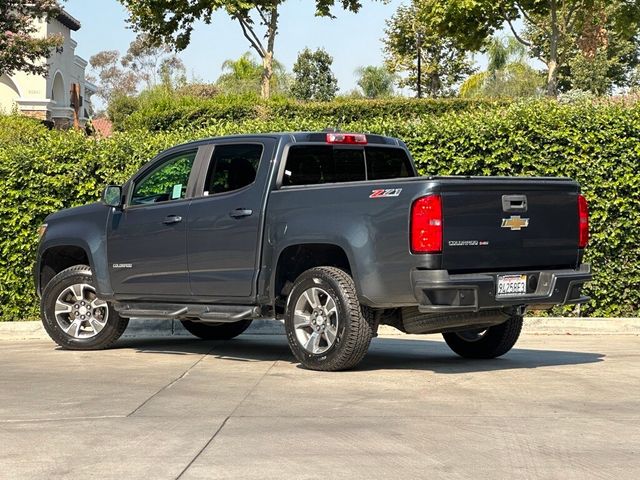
{"x":514,"y":203}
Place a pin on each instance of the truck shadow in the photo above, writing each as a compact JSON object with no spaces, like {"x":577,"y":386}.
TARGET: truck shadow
{"x":384,"y":354}
{"x":436,"y":356}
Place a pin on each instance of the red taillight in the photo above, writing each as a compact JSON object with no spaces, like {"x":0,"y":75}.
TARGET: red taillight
{"x":426,"y":225}
{"x":583,"y":219}
{"x":351,"y":138}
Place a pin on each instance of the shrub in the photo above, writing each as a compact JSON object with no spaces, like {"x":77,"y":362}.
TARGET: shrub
{"x":172,"y":111}
{"x":121,"y":108}
{"x":198,"y":90}
{"x":16,"y":129}
{"x":599,"y":145}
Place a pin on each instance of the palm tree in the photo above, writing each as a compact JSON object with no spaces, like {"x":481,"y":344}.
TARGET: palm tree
{"x":375,"y":82}
{"x":244,"y":75}
{"x":508,"y":74}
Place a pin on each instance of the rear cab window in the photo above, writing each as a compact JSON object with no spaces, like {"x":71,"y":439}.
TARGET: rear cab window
{"x":319,"y":164}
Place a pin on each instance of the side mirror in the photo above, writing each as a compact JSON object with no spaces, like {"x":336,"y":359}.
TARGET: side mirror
{"x":112,"y":196}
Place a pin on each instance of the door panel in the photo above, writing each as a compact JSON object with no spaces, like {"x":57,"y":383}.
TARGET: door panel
{"x":224,"y":228}
{"x":147,"y":245}
{"x":146,"y":255}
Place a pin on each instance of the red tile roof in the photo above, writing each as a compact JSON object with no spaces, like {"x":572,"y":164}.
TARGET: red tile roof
{"x":103,"y":126}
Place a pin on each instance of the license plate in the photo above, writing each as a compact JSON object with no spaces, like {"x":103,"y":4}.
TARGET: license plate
{"x":512,"y":285}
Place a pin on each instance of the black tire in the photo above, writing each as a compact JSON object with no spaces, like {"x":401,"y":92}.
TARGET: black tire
{"x":113,"y":328}
{"x":221,"y":331}
{"x":493,"y":342}
{"x":353,"y":329}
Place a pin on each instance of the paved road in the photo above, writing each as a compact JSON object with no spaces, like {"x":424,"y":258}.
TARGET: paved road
{"x":556,"y":407}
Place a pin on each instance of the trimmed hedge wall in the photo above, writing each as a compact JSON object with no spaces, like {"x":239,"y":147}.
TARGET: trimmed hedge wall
{"x":159,"y":111}
{"x":43,"y":171}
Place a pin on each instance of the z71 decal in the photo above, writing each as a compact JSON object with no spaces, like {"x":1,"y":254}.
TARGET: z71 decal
{"x":385,"y":193}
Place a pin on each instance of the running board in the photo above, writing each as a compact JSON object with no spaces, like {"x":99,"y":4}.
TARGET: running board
{"x":203,"y":313}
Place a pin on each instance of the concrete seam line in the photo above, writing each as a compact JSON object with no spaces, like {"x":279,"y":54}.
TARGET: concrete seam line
{"x":170,"y":384}
{"x":203,"y":448}
{"x":255,"y":385}
{"x":61,"y":419}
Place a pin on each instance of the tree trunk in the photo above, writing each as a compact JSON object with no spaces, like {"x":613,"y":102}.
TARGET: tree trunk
{"x":267,"y":60}
{"x":552,"y":79}
{"x":552,"y":63}
{"x":267,"y":73}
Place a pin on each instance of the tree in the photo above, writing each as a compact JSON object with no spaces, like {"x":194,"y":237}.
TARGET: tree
{"x":605,"y":52}
{"x":20,"y":49}
{"x":144,"y":62}
{"x":111,"y":78}
{"x":313,"y":78}
{"x":173,"y":22}
{"x":508,"y":74}
{"x":244,"y":75}
{"x":375,"y":82}
{"x":443,"y":64}
{"x":152,"y":62}
{"x":551,"y":26}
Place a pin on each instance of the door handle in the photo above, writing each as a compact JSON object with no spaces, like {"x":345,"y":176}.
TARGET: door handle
{"x":171,"y":219}
{"x":240,"y":212}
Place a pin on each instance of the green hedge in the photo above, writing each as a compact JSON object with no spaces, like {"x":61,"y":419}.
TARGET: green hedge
{"x":43,"y":171}
{"x":158,"y":111}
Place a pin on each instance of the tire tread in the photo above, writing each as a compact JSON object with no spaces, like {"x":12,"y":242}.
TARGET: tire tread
{"x":224,"y":331}
{"x":360,"y":332}
{"x":499,"y":340}
{"x":96,"y":343}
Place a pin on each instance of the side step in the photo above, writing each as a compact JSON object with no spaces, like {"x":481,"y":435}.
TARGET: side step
{"x":204,"y":313}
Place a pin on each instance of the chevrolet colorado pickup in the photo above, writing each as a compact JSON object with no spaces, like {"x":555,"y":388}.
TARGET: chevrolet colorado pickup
{"x":334,"y":233}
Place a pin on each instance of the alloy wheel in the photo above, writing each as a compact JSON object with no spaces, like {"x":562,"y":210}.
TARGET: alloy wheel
{"x":316,"y":320}
{"x":79,"y":312}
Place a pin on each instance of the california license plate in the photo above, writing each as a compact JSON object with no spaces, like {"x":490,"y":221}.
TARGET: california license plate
{"x":512,"y":285}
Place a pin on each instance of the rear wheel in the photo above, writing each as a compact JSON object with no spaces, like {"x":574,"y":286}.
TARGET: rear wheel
{"x":490,"y":342}
{"x":74,"y":316}
{"x":326,"y":326}
{"x":215,"y":331}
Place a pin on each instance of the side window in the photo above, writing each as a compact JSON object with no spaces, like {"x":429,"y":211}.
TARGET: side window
{"x":232,"y":167}
{"x":168,"y":181}
{"x":308,"y":165}
{"x":384,"y":163}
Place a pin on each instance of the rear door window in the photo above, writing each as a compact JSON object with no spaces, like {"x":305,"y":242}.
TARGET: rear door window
{"x":232,"y":167}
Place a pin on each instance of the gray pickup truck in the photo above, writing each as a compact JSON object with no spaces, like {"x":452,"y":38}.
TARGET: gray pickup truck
{"x":334,"y":233}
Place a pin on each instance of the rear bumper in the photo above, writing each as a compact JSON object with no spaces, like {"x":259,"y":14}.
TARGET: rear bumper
{"x":437,"y":291}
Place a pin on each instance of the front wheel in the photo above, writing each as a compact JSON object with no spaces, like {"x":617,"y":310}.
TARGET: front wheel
{"x":326,"y":326}
{"x":485,"y":343}
{"x":73,"y":314}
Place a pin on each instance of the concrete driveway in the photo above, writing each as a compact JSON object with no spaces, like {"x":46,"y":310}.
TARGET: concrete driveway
{"x":556,"y":407}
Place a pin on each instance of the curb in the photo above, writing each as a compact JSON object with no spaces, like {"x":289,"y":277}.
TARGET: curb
{"x":139,"y":328}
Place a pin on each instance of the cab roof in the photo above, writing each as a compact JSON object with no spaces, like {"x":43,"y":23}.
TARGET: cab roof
{"x":300,"y":137}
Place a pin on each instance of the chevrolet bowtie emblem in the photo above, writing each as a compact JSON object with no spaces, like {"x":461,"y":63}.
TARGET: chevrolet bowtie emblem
{"x":515,"y":222}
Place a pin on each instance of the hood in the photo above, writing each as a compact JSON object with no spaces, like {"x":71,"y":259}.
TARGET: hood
{"x":97,"y":209}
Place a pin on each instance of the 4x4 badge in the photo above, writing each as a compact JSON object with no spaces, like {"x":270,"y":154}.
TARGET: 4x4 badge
{"x":515,"y":222}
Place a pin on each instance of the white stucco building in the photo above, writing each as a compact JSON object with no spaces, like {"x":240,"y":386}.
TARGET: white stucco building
{"x":50,"y":98}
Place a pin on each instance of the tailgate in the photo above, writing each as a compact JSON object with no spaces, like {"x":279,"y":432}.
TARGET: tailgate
{"x":509,"y":224}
